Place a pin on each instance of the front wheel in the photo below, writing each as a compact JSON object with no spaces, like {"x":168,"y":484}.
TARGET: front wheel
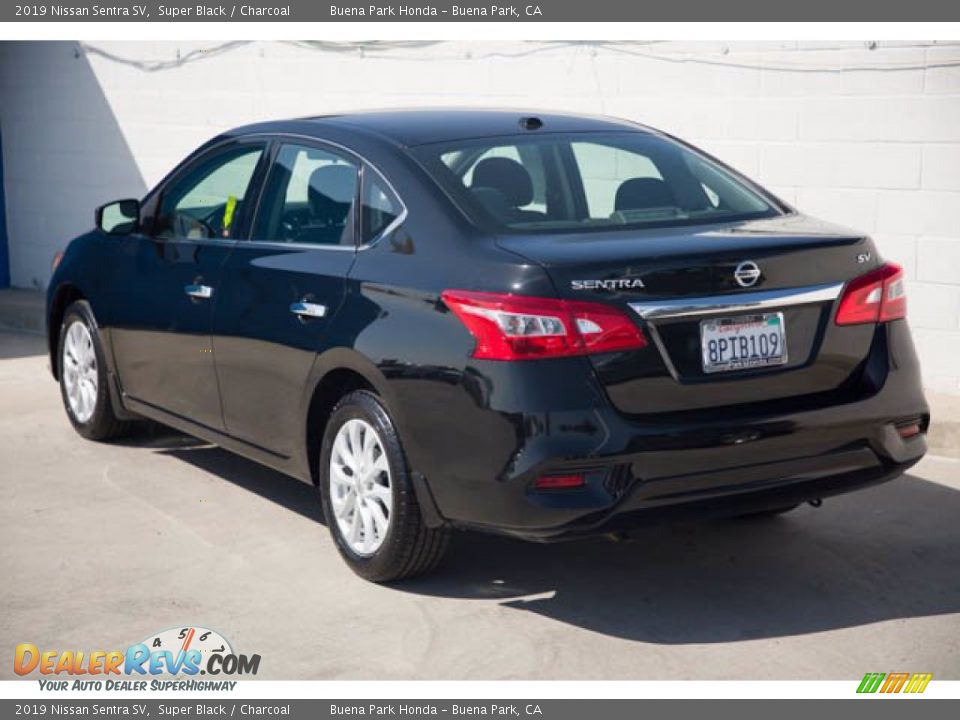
{"x":83,"y":377}
{"x":368,"y":499}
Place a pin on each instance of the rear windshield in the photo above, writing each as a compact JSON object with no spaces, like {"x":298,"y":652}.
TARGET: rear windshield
{"x":576,"y":182}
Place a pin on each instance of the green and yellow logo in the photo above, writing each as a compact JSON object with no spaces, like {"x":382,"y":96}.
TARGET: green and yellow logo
{"x":895,"y":682}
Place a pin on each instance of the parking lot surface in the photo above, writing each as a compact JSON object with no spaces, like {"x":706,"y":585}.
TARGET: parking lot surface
{"x":103,"y":545}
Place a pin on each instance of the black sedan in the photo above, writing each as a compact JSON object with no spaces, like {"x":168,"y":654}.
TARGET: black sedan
{"x":536,"y":324}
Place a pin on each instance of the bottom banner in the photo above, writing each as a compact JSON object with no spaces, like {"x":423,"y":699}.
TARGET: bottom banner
{"x":531,"y":709}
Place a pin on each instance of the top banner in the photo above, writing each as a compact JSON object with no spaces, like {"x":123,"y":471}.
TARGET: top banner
{"x":573,"y":11}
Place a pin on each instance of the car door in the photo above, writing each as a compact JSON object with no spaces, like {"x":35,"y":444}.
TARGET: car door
{"x":169,"y":283}
{"x":281,"y":290}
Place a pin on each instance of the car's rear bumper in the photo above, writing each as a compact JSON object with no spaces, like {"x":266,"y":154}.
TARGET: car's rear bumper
{"x":704,"y":464}
{"x":723,"y":494}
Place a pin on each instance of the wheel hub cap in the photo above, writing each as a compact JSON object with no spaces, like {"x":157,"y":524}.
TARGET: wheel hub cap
{"x":79,"y":368}
{"x":361,"y":492}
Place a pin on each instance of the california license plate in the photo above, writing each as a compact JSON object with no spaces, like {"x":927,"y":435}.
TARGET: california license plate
{"x":742,"y":343}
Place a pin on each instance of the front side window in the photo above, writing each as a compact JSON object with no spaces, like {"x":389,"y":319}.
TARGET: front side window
{"x":588,"y":181}
{"x":309,"y":198}
{"x":208,"y":199}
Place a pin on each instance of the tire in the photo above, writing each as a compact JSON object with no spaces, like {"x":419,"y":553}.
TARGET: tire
{"x":362,"y":490}
{"x":83,"y":377}
{"x":772,"y":512}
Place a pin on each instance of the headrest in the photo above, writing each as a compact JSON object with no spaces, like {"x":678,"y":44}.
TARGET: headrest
{"x":506,"y":175}
{"x":335,"y":182}
{"x":642,"y":194}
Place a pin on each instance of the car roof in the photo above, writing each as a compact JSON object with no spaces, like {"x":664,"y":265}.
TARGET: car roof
{"x":409,"y":127}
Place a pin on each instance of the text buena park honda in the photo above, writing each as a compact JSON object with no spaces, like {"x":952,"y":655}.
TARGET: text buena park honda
{"x":379,"y":709}
{"x":431,"y":11}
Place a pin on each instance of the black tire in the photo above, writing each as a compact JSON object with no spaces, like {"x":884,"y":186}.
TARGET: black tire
{"x":771,"y":512}
{"x":102,"y":424}
{"x":408,"y":547}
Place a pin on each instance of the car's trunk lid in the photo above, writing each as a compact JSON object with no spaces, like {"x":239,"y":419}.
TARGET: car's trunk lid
{"x":672,"y":280}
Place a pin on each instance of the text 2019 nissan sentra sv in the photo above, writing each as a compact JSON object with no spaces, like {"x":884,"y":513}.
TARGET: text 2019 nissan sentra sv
{"x":536,"y":324}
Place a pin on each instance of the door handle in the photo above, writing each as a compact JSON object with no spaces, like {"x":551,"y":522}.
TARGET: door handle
{"x":303,"y":309}
{"x":199,"y":292}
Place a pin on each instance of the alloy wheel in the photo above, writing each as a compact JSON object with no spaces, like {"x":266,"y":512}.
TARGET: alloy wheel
{"x":361,"y":492}
{"x":79,"y":368}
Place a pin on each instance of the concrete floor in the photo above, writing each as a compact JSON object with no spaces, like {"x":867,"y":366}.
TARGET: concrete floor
{"x":104,"y":544}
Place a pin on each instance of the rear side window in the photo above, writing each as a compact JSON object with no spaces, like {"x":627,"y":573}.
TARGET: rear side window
{"x":380,"y":207}
{"x":588,"y":181}
{"x":310,"y":198}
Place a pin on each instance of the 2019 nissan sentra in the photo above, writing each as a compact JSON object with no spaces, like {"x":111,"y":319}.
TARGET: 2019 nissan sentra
{"x":543,"y":325}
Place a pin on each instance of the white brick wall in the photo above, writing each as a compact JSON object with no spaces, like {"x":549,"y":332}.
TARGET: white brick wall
{"x":867,"y":138}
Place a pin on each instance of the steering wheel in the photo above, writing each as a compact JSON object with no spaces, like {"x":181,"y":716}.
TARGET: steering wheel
{"x":188,"y":226}
{"x":292,"y":223}
{"x":213,"y":221}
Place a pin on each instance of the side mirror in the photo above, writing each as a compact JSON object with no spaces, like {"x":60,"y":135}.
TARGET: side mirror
{"x":120,"y":217}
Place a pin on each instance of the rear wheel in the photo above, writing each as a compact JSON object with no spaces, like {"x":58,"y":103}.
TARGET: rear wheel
{"x":368,"y":499}
{"x":83,"y":377}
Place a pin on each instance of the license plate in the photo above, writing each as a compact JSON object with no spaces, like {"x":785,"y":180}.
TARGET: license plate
{"x":742,"y":343}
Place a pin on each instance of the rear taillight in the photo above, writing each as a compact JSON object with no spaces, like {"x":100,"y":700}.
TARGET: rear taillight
{"x":877,"y":296}
{"x":560,"y":482}
{"x":514,"y":327}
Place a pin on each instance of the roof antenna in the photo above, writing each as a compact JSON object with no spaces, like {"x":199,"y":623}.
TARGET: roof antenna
{"x":531,"y":123}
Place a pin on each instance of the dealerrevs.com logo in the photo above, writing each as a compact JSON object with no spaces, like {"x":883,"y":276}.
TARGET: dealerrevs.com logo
{"x":184,"y":651}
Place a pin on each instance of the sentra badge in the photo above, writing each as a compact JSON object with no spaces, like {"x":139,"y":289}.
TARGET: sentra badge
{"x":619,"y":284}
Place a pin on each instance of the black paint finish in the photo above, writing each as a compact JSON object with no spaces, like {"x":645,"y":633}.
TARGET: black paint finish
{"x":655,"y":437}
